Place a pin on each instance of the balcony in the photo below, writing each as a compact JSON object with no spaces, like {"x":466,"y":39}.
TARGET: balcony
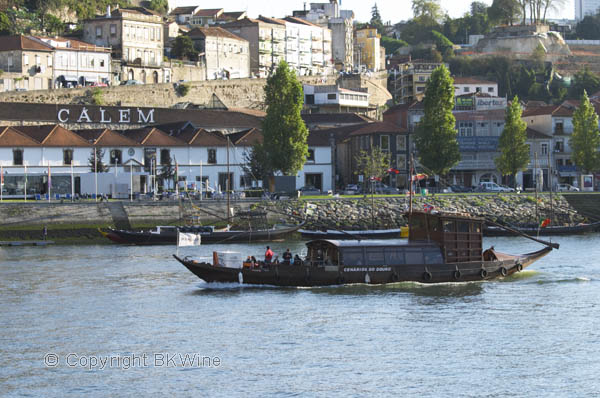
{"x":264,"y":38}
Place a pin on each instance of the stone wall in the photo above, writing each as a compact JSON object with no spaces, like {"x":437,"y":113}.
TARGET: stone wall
{"x":235,"y":93}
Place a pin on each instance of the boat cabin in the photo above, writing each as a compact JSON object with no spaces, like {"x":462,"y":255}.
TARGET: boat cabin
{"x":460,"y":237}
{"x":371,"y":252}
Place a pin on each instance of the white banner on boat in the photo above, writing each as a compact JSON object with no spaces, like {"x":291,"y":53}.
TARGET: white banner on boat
{"x":186,"y":239}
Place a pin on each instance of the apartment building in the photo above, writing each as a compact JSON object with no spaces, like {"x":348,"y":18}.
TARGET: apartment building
{"x":136,"y":36}
{"x":226,"y":55}
{"x":28,"y":64}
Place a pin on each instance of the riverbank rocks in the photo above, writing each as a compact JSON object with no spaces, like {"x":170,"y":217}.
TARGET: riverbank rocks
{"x":388,"y":212}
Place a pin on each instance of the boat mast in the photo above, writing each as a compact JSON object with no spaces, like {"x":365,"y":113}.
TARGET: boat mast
{"x":536,"y":179}
{"x":410,"y":168}
{"x":550,"y":185}
{"x":228,"y":183}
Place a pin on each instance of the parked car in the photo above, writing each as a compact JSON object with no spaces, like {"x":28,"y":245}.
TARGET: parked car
{"x":381,"y":188}
{"x":459,"y":188}
{"x":352,"y":189}
{"x":131,"y":82}
{"x":98,"y":84}
{"x":488,"y":186}
{"x":566,"y":188}
{"x":309,"y":190}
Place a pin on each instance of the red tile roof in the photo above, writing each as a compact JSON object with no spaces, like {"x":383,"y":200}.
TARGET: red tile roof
{"x":213,"y":31}
{"x":183,"y":10}
{"x":13,"y":43}
{"x":534,"y":134}
{"x":11,"y":137}
{"x":553,"y":110}
{"x":379,"y":128}
{"x":53,"y":135}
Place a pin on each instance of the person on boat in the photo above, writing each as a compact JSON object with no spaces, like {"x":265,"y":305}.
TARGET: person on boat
{"x":268,"y":255}
{"x":297,"y":260}
{"x":287,"y":257}
{"x":248,"y":263}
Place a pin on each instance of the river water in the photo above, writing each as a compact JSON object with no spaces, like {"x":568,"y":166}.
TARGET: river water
{"x":99,"y":321}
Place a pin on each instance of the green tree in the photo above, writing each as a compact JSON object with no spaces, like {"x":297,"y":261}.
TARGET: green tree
{"x":160,"y":6}
{"x":166,"y":174}
{"x":588,"y":28}
{"x":96,"y":156}
{"x":391,"y":45}
{"x":53,"y":25}
{"x":442,"y":44}
{"x":5,"y":25}
{"x":504,"y":11}
{"x":514,"y":151}
{"x":372,"y":164}
{"x":586,"y":138}
{"x":283,"y":129}
{"x":183,"y":47}
{"x":428,"y":9}
{"x":584,"y":80}
{"x":376,"y":19}
{"x":256,"y":164}
{"x":436,"y":132}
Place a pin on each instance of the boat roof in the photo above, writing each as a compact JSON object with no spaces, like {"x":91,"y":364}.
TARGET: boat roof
{"x":371,"y":243}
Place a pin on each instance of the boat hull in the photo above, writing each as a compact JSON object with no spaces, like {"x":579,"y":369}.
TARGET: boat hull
{"x":547,"y":231}
{"x":290,"y":275}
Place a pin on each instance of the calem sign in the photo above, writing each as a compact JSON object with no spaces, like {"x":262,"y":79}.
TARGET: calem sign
{"x":125,"y":115}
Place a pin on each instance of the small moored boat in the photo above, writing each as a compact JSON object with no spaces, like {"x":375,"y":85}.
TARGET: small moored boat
{"x":440,"y":248}
{"x":167,"y":235}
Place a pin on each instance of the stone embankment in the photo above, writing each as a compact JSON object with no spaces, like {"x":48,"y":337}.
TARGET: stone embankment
{"x":78,"y":222}
{"x":383,"y":213}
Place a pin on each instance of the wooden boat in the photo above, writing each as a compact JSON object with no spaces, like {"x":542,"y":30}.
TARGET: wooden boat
{"x":167,"y":235}
{"x":495,"y":230}
{"x":440,"y":248}
{"x":345,"y":234}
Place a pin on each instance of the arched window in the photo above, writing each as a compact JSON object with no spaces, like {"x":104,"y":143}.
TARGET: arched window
{"x":155,"y":77}
{"x":131,"y":75}
{"x":143,"y":76}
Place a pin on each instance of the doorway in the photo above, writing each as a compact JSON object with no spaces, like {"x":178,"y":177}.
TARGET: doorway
{"x":316,"y":180}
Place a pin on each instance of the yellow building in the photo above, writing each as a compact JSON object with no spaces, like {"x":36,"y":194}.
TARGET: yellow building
{"x":367,"y":49}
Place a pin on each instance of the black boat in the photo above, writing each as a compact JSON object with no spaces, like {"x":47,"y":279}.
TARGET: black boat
{"x":496,"y":230}
{"x":347,"y":234}
{"x":167,"y":235}
{"x":440,"y":248}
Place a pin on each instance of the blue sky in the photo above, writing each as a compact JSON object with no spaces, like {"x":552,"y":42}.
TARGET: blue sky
{"x":394,"y":10}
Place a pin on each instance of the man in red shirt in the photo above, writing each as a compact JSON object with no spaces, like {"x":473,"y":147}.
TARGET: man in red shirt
{"x":268,"y":255}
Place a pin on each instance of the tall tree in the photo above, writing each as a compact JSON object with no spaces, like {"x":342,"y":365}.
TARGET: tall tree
{"x":96,"y":157}
{"x":436,"y":132}
{"x":284,"y":132}
{"x":505,"y":11}
{"x":166,"y":172}
{"x":183,"y":47}
{"x":373,"y":163}
{"x":584,"y":80}
{"x":514,"y":151}
{"x":376,"y":18}
{"x":585,"y":140}
{"x":427,"y":9}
